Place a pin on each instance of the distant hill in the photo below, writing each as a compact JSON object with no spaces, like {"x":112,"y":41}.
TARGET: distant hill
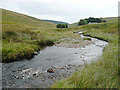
{"x":108,"y":19}
{"x":56,"y":22}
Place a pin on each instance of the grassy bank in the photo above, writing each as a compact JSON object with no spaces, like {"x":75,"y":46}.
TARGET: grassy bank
{"x":103,"y":73}
{"x":23,"y":35}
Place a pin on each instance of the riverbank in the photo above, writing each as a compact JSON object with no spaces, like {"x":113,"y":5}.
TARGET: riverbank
{"x":103,"y":73}
{"x":19,"y":51}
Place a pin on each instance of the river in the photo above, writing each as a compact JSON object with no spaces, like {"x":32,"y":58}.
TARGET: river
{"x":64,"y":61}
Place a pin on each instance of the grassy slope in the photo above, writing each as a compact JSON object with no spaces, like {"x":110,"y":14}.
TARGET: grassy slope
{"x":104,"y":73}
{"x":22,"y":33}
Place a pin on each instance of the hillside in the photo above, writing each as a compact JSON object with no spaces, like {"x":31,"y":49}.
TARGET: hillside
{"x":22,"y":35}
{"x":55,"y":22}
{"x":15,"y":19}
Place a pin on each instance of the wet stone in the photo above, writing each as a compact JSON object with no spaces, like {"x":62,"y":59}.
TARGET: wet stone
{"x":50,"y":70}
{"x":34,"y":74}
{"x":17,"y":77}
{"x":35,"y":53}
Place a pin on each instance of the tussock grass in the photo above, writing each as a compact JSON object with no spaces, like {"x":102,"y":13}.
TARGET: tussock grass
{"x":15,"y":51}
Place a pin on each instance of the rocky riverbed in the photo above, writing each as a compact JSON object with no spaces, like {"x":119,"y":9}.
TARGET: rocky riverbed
{"x":74,"y":43}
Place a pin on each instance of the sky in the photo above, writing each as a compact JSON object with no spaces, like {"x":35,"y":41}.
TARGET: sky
{"x":63,"y":10}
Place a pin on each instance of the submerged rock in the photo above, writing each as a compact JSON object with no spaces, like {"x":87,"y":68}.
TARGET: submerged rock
{"x":50,"y":70}
{"x":34,"y":74}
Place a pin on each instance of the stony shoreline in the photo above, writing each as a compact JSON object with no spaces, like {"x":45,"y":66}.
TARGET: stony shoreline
{"x":72,"y":43}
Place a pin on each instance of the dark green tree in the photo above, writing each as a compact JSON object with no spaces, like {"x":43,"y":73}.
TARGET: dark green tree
{"x":90,"y":20}
{"x":85,"y":22}
{"x":104,"y":21}
{"x":58,"y":25}
{"x":66,"y":26}
{"x":62,"y":26}
{"x":82,"y":22}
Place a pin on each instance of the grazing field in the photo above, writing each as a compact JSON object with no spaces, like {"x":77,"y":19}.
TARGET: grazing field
{"x":103,"y":73}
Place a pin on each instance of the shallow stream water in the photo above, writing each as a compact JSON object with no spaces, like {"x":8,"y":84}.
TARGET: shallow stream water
{"x":64,"y":61}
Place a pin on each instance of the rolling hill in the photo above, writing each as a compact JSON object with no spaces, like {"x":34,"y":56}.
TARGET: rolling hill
{"x":16,"y":19}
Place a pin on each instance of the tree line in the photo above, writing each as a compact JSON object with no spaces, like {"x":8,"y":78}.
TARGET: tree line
{"x":62,"y":26}
{"x":90,"y":20}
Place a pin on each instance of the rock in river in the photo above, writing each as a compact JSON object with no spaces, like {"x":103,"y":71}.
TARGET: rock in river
{"x":50,"y":70}
{"x":36,"y":53}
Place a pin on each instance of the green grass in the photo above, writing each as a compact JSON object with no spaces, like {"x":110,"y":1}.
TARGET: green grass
{"x":87,"y":39}
{"x":20,"y":31}
{"x":14,"y":51}
{"x":103,"y":73}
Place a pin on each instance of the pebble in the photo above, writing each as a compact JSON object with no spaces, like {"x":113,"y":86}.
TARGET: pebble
{"x":17,"y":77}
